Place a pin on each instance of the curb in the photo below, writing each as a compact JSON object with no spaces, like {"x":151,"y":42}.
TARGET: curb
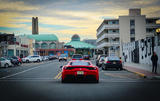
{"x":138,"y":73}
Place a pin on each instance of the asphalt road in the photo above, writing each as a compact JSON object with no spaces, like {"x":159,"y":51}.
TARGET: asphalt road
{"x":42,"y":82}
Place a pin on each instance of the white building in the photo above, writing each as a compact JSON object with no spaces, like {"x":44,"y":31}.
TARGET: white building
{"x":23,"y":46}
{"x":113,"y":33}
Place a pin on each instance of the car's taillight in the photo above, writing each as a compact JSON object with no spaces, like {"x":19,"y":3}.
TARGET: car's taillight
{"x":73,"y":59}
{"x":80,"y":59}
{"x":108,"y":62}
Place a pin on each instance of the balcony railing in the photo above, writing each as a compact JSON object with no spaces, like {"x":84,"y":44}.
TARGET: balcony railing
{"x":106,"y":35}
{"x":149,"y":34}
{"x":113,"y":26}
{"x":108,"y":44}
{"x":153,"y":25}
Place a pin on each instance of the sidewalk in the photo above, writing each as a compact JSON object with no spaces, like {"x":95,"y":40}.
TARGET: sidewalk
{"x":143,"y":70}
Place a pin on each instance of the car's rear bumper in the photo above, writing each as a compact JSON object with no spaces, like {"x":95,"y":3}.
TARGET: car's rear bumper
{"x":93,"y":75}
{"x":113,"y":65}
{"x":62,"y":59}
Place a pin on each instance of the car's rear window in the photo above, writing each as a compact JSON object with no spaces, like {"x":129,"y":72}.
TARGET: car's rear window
{"x":113,"y":58}
{"x":83,"y":63}
{"x":77,"y":56}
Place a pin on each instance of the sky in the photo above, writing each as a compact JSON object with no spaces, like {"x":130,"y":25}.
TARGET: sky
{"x":65,"y":18}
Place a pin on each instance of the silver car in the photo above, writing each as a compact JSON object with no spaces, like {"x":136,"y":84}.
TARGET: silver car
{"x":5,"y":62}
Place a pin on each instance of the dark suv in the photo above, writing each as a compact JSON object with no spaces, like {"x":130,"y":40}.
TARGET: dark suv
{"x":77,"y":57}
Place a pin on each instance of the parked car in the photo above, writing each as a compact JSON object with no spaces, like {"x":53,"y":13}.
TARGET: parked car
{"x":86,"y":57}
{"x":112,"y":62}
{"x":62,"y":57}
{"x":14,"y":60}
{"x":98,"y":58}
{"x":77,"y":57}
{"x":34,"y":58}
{"x":53,"y":57}
{"x":100,"y":62}
{"x":45,"y":58}
{"x":80,"y":70}
{"x":5,"y":62}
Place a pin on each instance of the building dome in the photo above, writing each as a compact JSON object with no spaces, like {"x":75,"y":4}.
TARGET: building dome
{"x":44,"y":37}
{"x":75,"y":37}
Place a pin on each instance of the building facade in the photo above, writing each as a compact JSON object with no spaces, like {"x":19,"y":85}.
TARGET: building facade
{"x":140,"y":52}
{"x":80,"y":46}
{"x":113,"y":33}
{"x":6,"y":39}
{"x":47,"y":44}
{"x":22,"y":47}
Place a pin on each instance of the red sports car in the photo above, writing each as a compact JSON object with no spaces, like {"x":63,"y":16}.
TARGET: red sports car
{"x":80,"y":70}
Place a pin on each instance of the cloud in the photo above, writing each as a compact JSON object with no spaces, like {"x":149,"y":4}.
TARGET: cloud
{"x":16,"y":6}
{"x":67,"y":17}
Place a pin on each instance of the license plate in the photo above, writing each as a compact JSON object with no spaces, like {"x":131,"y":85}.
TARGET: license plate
{"x":114,"y":62}
{"x":80,"y":72}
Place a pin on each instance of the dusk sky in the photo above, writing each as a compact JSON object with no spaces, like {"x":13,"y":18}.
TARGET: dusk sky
{"x":67,"y":17}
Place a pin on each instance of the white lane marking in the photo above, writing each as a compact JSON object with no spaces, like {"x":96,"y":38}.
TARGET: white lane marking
{"x":121,"y":80}
{"x":19,"y":72}
{"x":27,"y":79}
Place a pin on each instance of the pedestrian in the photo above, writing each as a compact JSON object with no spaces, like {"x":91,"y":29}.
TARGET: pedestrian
{"x":154,"y":59}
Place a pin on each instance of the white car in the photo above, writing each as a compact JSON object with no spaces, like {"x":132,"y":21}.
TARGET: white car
{"x":5,"y":62}
{"x":62,"y":57}
{"x":33,"y":58}
{"x":45,"y":58}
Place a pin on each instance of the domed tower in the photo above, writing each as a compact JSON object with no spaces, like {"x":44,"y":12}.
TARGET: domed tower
{"x":75,"y":37}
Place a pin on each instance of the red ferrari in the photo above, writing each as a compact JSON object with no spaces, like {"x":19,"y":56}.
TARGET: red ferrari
{"x":80,"y":70}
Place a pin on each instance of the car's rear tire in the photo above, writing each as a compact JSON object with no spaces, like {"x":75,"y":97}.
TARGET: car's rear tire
{"x":96,"y":64}
{"x":96,"y":81}
{"x":6,"y":65}
{"x":27,"y":61}
{"x":38,"y":60}
{"x":120,"y":68}
{"x":103,"y":67}
{"x":63,"y":81}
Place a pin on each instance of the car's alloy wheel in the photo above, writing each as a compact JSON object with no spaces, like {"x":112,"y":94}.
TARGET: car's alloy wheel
{"x":6,"y":65}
